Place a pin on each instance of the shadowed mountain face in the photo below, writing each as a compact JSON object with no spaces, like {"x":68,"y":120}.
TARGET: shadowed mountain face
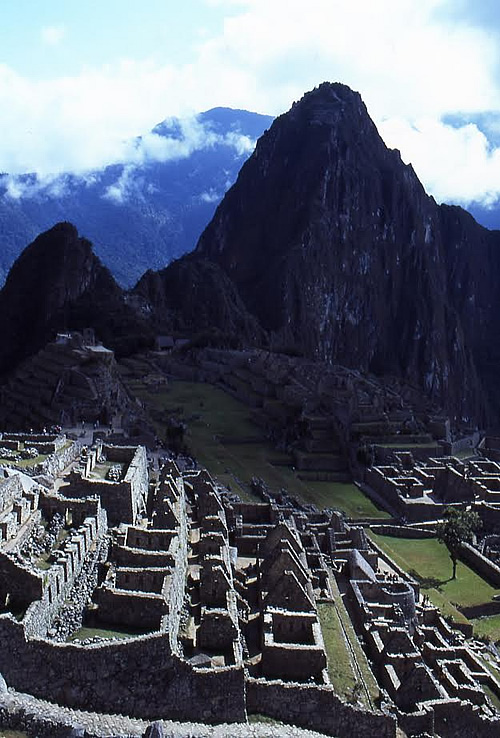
{"x":327,"y":244}
{"x":336,"y":249}
{"x":58,"y":284}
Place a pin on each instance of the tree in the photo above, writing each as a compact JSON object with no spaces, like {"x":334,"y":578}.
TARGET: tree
{"x":458,"y":527}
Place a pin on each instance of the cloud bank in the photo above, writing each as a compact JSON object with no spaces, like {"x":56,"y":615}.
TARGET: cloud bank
{"x":415,"y":64}
{"x":134,"y":156}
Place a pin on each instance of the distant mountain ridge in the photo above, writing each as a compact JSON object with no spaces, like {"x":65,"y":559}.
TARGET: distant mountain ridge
{"x":142,"y":214}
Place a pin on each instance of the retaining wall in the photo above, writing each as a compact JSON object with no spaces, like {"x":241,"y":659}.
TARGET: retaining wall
{"x":140,"y":677}
{"x":317,"y":708}
{"x":481,"y":564}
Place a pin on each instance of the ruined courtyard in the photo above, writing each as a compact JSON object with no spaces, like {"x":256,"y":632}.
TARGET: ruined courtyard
{"x":135,"y":586}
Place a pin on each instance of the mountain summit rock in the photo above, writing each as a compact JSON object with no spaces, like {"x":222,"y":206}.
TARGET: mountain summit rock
{"x":58,"y":284}
{"x":334,"y":246}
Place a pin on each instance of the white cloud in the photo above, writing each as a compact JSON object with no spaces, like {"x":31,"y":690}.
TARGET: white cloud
{"x":52,"y":35}
{"x":455,"y":164}
{"x":210,"y":196}
{"x":410,"y":60}
{"x":134,"y":154}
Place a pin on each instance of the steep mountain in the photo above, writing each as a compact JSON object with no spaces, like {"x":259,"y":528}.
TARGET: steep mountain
{"x":140,"y":214}
{"x":334,"y":246}
{"x":58,"y":284}
{"x":195,"y":296}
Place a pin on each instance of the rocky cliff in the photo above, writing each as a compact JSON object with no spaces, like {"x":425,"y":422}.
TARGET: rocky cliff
{"x":334,"y":246}
{"x":58,"y":284}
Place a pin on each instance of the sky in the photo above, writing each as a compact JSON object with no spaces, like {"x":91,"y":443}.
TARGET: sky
{"x":80,"y":78}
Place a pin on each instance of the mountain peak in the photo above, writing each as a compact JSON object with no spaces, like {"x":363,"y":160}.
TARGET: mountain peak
{"x":335,"y":247}
{"x":59,"y":284}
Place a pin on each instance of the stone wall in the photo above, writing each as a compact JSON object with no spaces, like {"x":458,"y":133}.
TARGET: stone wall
{"x":23,"y":584}
{"x":401,"y":573}
{"x":140,"y":610}
{"x":457,"y":719}
{"x":480,"y":563}
{"x":58,"y":461}
{"x":141,"y":580}
{"x":177,"y":589}
{"x":50,"y":504}
{"x":138,"y":677}
{"x":60,"y":578}
{"x":399,"y":531}
{"x":317,"y":708}
{"x":116,"y":497}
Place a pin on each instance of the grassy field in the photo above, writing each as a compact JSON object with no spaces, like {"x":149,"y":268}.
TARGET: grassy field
{"x":340,"y":669}
{"x":84,"y":633}
{"x":429,"y":562}
{"x":346,"y":659}
{"x":488,"y":627}
{"x":224,"y":439}
{"x":24,"y":463}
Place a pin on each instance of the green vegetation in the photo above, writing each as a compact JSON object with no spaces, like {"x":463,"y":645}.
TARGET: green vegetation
{"x":4,"y":733}
{"x":340,"y":669}
{"x":492,"y":696}
{"x":100,"y":471}
{"x":428,"y":561}
{"x":44,"y":560}
{"x":488,"y":627}
{"x":457,"y":528}
{"x":348,"y":667}
{"x":223,"y":438}
{"x":103,"y":632}
{"x":258,"y":718}
{"x":24,"y":463}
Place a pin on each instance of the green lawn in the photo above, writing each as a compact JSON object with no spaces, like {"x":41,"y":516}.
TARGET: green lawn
{"x":340,"y":669}
{"x":428,"y":561}
{"x":336,"y":626}
{"x":488,"y":627}
{"x":24,"y":463}
{"x":224,"y":439}
{"x":84,"y":633}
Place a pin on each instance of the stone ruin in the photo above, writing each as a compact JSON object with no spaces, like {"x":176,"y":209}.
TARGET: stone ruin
{"x":420,"y":490}
{"x":327,"y":417}
{"x":154,"y":593}
{"x":71,"y":379}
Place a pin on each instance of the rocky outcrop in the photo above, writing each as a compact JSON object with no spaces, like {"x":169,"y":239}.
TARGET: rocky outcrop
{"x":58,"y":284}
{"x":334,"y":246}
{"x":195,"y":295}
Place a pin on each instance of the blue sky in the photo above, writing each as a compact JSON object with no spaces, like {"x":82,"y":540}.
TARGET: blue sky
{"x":78,"y":78}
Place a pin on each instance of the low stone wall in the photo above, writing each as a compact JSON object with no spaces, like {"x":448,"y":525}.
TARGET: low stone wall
{"x":60,"y":578}
{"x":317,"y":708}
{"x":22,"y":583}
{"x":417,"y":723}
{"x":385,"y":455}
{"x":481,"y":564}
{"x":130,"y":609}
{"x":58,"y":461}
{"x":403,"y":574}
{"x":138,"y":677}
{"x":481,"y":611}
{"x":50,"y":504}
{"x":457,"y":719}
{"x":402,"y":531}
